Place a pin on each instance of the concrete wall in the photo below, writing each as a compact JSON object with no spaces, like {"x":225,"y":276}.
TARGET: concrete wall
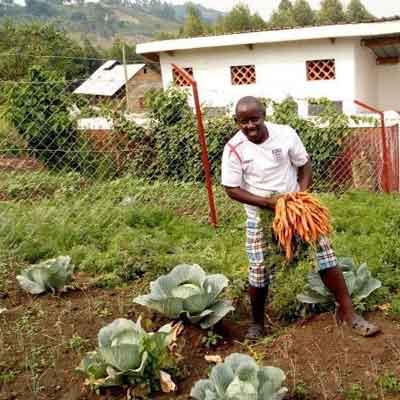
{"x":144,"y":80}
{"x":389,"y":87}
{"x":366,"y":76}
{"x":280,"y":70}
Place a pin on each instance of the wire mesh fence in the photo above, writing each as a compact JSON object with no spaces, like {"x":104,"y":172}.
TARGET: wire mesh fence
{"x":62,"y":150}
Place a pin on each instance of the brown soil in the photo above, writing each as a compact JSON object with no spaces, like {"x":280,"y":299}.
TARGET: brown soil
{"x":43,"y":338}
{"x":20,"y":164}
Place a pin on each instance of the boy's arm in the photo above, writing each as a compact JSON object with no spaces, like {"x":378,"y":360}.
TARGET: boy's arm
{"x":304,"y":174}
{"x":243,"y":196}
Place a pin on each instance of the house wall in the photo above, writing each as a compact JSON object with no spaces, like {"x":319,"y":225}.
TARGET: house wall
{"x":388,"y":87}
{"x":366,"y":75}
{"x":280,"y":70}
{"x":143,"y":81}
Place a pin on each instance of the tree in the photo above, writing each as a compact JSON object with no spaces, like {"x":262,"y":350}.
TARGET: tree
{"x":257,"y":23}
{"x":331,"y":12}
{"x":239,"y":19}
{"x":42,"y":45}
{"x":285,"y":6}
{"x":356,"y":12}
{"x":193,"y":25}
{"x":303,"y":14}
{"x":283,"y":16}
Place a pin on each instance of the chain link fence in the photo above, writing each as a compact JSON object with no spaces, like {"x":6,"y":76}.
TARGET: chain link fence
{"x":57,"y":147}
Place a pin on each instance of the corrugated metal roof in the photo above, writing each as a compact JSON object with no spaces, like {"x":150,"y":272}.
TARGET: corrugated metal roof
{"x":108,"y":79}
{"x":387,"y":51}
{"x":385,"y":47}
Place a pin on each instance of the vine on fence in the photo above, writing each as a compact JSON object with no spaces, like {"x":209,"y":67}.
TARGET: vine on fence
{"x":167,"y":147}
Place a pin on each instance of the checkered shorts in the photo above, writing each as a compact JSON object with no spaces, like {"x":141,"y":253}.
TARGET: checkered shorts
{"x":265,"y":254}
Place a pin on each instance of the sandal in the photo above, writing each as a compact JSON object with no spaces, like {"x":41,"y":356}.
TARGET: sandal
{"x":359,"y":325}
{"x":255,"y":332}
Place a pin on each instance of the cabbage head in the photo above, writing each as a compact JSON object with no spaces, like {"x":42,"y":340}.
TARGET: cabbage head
{"x":126,"y":354}
{"x":359,"y":281}
{"x":52,"y":275}
{"x":188,"y":290}
{"x":239,"y":377}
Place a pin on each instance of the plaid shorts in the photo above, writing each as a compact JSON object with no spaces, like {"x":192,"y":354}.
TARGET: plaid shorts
{"x":265,"y":254}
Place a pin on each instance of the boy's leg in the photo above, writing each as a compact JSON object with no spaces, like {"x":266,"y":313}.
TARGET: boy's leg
{"x":333,"y":279}
{"x":258,"y":277}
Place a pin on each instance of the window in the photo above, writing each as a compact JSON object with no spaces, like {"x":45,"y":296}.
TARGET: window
{"x":243,"y":74}
{"x":321,"y":70}
{"x":315,"y":109}
{"x":179,"y":79}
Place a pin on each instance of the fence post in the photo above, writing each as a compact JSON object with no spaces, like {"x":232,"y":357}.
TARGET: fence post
{"x":126,"y":75}
{"x":386,"y":168}
{"x":203,"y":144}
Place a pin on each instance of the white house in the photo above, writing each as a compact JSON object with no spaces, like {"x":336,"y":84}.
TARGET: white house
{"x":340,"y":62}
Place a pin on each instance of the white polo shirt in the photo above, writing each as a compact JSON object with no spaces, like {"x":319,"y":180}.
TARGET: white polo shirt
{"x":266,"y":168}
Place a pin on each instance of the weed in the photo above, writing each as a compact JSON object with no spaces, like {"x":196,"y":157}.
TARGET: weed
{"x":395,"y":306}
{"x":211,"y":339}
{"x":389,"y":383}
{"x":35,"y":363}
{"x":77,"y":343}
{"x":354,"y":392}
{"x":301,"y":391}
{"x":101,"y":309}
{"x":8,"y":377}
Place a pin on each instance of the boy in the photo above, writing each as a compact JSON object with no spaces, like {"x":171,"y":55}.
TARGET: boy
{"x":260,"y":161}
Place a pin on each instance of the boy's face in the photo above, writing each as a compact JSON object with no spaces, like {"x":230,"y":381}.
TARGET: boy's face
{"x":250,"y":118}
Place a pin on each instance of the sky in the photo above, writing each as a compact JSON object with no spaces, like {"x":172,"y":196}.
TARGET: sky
{"x":379,"y":8}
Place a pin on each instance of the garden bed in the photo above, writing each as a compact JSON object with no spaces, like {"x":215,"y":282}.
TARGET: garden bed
{"x":44,"y":338}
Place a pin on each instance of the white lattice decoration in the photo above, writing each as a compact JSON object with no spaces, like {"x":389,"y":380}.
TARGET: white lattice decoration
{"x":321,"y":70}
{"x":243,"y":74}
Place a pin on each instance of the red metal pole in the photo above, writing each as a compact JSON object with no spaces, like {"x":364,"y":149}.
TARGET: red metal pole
{"x":203,"y":144}
{"x":386,"y":169}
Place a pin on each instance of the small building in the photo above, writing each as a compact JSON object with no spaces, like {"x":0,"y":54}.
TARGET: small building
{"x":108,"y":83}
{"x":344,"y":63}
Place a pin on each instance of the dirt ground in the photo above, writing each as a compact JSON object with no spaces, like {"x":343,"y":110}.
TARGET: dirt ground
{"x":43,"y":338}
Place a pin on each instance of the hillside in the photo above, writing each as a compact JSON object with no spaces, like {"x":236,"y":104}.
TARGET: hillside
{"x":136,"y":20}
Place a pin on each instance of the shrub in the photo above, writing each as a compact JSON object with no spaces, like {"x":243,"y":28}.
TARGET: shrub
{"x":39,"y":110}
{"x":322,"y":137}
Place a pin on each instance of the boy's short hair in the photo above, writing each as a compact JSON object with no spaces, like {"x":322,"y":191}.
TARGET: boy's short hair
{"x":247,"y":100}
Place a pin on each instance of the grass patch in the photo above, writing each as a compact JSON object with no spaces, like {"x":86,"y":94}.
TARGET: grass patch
{"x":120,"y":230}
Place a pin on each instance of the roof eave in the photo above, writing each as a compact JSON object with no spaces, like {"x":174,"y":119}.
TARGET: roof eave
{"x":274,"y":36}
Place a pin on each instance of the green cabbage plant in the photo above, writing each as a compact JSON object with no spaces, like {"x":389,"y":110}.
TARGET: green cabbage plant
{"x":127,"y":354}
{"x":53,"y":274}
{"x":359,"y":281}
{"x":188,"y":290}
{"x":239,"y":377}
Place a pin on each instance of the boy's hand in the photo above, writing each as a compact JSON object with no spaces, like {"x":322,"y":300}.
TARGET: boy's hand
{"x":270,"y":202}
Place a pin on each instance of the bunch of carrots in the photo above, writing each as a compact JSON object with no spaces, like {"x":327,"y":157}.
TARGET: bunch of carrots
{"x":299,"y":215}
